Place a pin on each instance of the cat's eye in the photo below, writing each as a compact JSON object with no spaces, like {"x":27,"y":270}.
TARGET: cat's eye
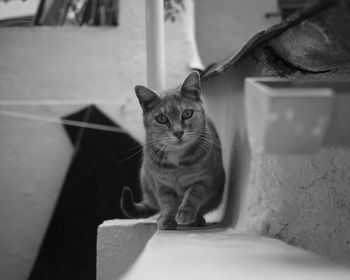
{"x":187,"y":114}
{"x":162,"y":119}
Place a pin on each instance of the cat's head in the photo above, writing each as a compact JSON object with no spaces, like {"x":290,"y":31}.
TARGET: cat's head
{"x":173,"y":118}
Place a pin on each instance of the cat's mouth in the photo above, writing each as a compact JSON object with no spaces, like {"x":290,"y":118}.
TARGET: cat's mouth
{"x":179,"y":143}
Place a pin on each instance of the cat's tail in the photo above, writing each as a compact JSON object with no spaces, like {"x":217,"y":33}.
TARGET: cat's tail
{"x":132,"y":209}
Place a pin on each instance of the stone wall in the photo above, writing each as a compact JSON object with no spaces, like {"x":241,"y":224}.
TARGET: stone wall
{"x":301,"y":199}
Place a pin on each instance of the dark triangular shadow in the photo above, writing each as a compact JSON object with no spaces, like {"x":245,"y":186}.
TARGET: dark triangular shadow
{"x":100,"y":167}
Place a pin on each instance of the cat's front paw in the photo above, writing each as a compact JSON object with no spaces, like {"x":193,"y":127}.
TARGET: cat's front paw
{"x":185,"y":216}
{"x":167,"y":223}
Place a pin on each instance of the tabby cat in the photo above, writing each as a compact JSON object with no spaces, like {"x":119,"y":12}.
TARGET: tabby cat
{"x":182,"y":174}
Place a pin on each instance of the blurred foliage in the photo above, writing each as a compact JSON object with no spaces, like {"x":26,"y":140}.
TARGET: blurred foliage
{"x":172,"y":8}
{"x":78,"y":12}
{"x":85,"y":12}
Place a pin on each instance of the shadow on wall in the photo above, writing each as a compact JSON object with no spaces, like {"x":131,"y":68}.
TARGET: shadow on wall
{"x":224,"y":100}
{"x":103,"y":163}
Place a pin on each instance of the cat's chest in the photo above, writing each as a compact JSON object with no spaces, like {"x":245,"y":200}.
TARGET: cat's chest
{"x":180,"y":176}
{"x":173,"y":158}
{"x":173,"y":173}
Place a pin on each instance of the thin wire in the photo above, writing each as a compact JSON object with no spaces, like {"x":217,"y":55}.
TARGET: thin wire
{"x":58,"y":102}
{"x":35,"y":117}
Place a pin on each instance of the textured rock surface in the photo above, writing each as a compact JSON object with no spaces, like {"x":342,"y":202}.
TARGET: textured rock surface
{"x":301,"y":199}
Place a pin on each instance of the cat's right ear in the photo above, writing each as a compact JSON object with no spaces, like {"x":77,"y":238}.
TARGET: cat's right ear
{"x":191,"y":87}
{"x":147,"y":97}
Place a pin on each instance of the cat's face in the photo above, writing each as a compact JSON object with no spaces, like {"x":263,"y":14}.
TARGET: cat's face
{"x":175,"y":118}
{"x":174,"y":122}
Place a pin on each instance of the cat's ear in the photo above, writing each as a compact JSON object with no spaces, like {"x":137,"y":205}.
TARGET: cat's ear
{"x":191,"y":87}
{"x":147,"y":97}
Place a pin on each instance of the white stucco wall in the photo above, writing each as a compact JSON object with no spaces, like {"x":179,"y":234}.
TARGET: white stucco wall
{"x":34,"y":158}
{"x":10,"y":9}
{"x":47,"y":66}
{"x":81,"y":63}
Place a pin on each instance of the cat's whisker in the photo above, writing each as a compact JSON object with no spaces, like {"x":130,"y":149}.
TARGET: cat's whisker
{"x":209,"y":136}
{"x":200,"y":147}
{"x":132,"y":149}
{"x":194,"y":141}
{"x":159,"y":153}
{"x":205,"y":145}
{"x":139,"y":149}
{"x":153,"y":156}
{"x":165,"y":152}
{"x":129,"y":157}
{"x":196,"y":145}
{"x":208,"y":141}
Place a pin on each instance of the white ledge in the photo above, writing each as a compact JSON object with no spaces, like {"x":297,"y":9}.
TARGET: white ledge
{"x":203,"y":254}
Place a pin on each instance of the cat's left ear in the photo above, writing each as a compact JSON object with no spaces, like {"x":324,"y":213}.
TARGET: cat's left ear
{"x":191,"y":87}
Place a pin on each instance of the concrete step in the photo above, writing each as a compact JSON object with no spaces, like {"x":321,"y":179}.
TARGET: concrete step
{"x":202,"y":254}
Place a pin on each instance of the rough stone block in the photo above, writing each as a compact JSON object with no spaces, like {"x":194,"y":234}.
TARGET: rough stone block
{"x":119,"y":243}
{"x":302,"y":200}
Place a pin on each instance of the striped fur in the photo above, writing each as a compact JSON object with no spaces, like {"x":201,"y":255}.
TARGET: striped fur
{"x":183,"y":179}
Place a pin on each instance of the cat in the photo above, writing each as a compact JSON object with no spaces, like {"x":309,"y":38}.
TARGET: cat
{"x":182,"y":174}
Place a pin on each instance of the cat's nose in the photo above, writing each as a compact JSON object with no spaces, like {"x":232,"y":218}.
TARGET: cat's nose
{"x":178,"y":134}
